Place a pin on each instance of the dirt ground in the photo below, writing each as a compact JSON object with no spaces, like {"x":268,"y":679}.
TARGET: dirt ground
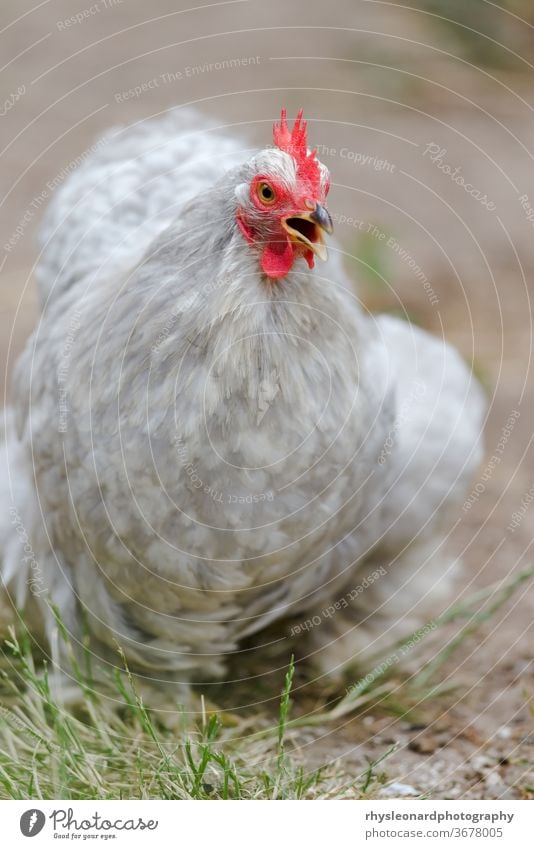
{"x":386,"y":91}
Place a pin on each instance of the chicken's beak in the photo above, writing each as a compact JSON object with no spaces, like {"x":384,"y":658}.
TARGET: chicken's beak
{"x":307,"y":228}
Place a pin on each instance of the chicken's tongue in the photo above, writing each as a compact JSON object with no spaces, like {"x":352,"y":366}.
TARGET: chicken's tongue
{"x":277,"y":258}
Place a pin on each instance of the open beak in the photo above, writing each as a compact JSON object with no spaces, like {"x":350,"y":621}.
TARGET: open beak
{"x":307,"y":228}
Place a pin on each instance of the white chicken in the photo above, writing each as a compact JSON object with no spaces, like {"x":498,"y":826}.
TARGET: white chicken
{"x":207,"y":434}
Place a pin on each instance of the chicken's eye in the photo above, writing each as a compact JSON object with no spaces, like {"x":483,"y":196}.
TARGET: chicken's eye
{"x":266,"y":193}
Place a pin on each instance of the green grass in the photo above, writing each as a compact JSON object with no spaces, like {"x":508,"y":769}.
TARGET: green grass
{"x":47,"y":752}
{"x":99,"y":752}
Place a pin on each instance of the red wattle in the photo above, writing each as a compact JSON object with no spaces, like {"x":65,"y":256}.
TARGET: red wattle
{"x":277,"y":259}
{"x":310,"y":259}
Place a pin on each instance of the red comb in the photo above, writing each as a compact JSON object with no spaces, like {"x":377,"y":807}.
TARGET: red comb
{"x":294,"y":142}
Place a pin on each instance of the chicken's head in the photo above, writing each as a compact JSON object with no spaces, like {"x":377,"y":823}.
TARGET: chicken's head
{"x":281,"y":211}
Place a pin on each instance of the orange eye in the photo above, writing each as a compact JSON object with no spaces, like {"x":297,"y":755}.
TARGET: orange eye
{"x":266,"y":193}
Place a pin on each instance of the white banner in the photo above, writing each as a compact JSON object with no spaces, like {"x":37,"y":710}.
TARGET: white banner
{"x":269,"y":825}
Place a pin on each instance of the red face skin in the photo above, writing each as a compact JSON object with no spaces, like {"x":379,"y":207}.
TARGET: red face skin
{"x":264,"y":227}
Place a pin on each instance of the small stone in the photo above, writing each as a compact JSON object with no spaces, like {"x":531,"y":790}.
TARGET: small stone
{"x":425,"y":745}
{"x":481,"y":763}
{"x":504,"y":733}
{"x":397,"y":789}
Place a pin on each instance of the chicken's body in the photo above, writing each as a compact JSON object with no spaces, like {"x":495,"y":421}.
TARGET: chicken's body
{"x":204,"y":450}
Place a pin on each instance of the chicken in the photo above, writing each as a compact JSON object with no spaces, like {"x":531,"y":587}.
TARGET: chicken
{"x":207,"y":434}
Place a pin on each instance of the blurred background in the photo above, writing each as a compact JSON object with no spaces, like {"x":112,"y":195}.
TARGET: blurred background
{"x":424,"y":113}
